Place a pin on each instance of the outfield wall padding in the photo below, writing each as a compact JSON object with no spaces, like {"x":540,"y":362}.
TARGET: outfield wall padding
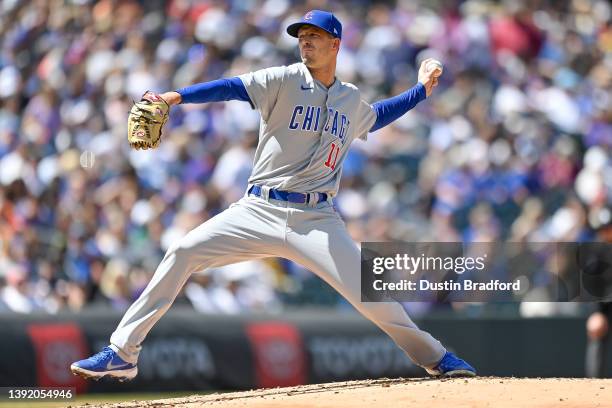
{"x":190,"y":351}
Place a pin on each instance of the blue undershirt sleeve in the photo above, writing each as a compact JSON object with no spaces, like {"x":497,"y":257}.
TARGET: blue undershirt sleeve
{"x":224,"y":89}
{"x":391,"y":109}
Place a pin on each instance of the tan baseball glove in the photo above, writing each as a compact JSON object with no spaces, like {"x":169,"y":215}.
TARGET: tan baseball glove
{"x":146,"y":120}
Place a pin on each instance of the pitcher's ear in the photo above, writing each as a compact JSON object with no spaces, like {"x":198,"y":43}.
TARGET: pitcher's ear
{"x":337,"y":43}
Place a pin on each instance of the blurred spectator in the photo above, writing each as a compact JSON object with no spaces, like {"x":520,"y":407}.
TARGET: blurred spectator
{"x":598,"y":323}
{"x":597,"y":328}
{"x":16,"y":294}
{"x":241,"y":287}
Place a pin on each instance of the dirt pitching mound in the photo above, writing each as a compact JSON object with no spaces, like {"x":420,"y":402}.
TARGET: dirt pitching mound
{"x":390,"y":393}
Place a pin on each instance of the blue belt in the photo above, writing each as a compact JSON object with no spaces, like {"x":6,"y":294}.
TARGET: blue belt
{"x":299,"y":198}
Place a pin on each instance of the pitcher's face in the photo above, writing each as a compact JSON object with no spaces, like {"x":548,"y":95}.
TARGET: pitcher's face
{"x":318,"y":48}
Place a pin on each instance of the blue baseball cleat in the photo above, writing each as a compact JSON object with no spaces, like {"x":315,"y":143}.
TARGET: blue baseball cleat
{"x":452,"y":366}
{"x":105,"y":363}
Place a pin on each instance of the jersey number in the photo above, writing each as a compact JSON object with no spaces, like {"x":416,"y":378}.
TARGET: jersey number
{"x":333,"y":155}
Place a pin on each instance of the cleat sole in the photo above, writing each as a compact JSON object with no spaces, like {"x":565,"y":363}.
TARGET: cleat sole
{"x":459,"y":373}
{"x":118,"y":375}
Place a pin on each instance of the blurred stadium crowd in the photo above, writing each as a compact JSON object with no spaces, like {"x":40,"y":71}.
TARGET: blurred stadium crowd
{"x":514,"y":145}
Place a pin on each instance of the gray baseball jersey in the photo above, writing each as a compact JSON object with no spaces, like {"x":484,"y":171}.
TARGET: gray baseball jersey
{"x":306,"y":129}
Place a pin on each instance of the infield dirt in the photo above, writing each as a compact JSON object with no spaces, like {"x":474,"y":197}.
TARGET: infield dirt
{"x":477,"y":392}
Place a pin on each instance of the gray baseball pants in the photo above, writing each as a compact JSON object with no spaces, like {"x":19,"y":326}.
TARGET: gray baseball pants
{"x":314,"y":236}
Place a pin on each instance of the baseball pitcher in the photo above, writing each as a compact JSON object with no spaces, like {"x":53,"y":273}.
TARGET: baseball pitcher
{"x":309,"y":118}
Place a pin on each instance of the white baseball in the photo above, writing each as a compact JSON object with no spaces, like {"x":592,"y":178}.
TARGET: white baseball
{"x":435,"y":65}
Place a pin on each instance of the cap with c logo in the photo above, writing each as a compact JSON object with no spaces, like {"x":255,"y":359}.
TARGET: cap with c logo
{"x":318,"y":18}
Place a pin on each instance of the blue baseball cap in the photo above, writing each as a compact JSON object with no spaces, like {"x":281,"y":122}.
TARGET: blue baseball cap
{"x":318,"y":18}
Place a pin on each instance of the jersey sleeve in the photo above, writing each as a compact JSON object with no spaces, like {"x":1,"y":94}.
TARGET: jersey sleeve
{"x":366,"y":118}
{"x":263,"y":87}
